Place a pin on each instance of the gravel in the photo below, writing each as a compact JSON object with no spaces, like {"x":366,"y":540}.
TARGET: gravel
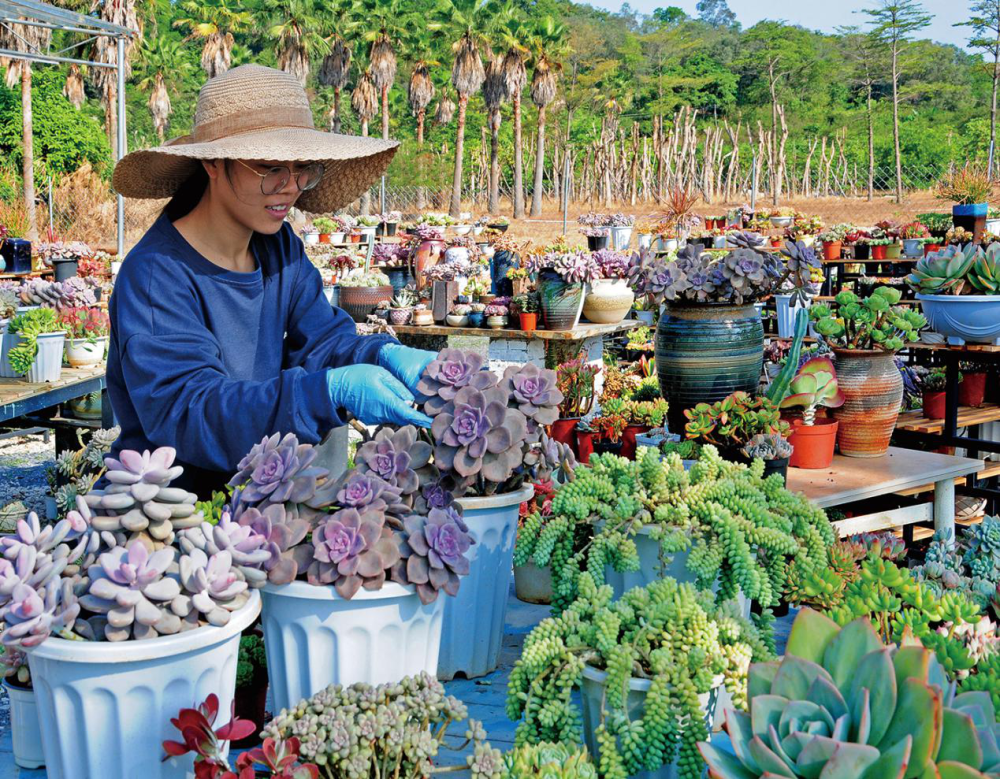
{"x":22,"y":470}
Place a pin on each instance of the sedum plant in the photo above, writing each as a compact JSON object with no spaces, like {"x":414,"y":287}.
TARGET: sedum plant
{"x":548,"y":761}
{"x":734,"y":420}
{"x":30,"y":325}
{"x":392,"y":730}
{"x":842,"y":704}
{"x":875,"y":322}
{"x":668,"y":634}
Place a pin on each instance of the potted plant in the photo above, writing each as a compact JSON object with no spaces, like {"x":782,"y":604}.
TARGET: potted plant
{"x":813,"y":439}
{"x":641,"y":417}
{"x":326,"y":227}
{"x":972,"y":384}
{"x":459,"y":316}
{"x":969,"y":188}
{"x":667,"y":240}
{"x":422,"y":316}
{"x":506,"y":257}
{"x":362,"y":290}
{"x":87,"y":332}
{"x":913,"y":235}
{"x":608,"y":430}
{"x":783,"y":217}
{"x":597,"y":238}
{"x":527,"y":310}
{"x":562,"y":279}
{"x":393,"y":259}
{"x":401,"y":307}
{"x":576,"y":381}
{"x":477,"y":314}
{"x":26,"y":730}
{"x":37,"y":352}
{"x":709,"y":338}
{"x":645,"y":696}
{"x":934,"y":393}
{"x":731,"y":423}
{"x":390,"y":221}
{"x":865,"y":334}
{"x":251,"y":685}
{"x":551,"y":761}
{"x":959,"y":236}
{"x":62,"y":256}
{"x":15,"y":250}
{"x":775,"y":451}
{"x":87,"y":600}
{"x":367,"y":224}
{"x":496,"y":316}
{"x":959,"y":292}
{"x":428,"y":247}
{"x":644,"y":231}
{"x":500,"y":223}
{"x":610,"y":298}
{"x":833,"y":241}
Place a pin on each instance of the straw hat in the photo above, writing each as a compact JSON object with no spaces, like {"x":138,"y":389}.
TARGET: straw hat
{"x":256,"y":113}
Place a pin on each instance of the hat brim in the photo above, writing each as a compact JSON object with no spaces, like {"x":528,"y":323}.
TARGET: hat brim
{"x":351,"y":163}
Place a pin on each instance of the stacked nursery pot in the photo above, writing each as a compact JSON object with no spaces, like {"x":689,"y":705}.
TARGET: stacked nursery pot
{"x":155,"y":608}
{"x":25,"y":728}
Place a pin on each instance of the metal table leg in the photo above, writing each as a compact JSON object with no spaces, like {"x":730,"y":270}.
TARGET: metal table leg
{"x":944,"y":508}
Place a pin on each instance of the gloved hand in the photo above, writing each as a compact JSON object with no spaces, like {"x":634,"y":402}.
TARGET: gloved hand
{"x":373,"y":395}
{"x":404,"y":363}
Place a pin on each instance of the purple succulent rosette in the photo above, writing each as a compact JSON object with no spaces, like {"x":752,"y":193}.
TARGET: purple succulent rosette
{"x":478,"y":434}
{"x":534,"y":391}
{"x":395,"y":456}
{"x":277,"y":470}
{"x":435,"y":553}
{"x":284,"y":534}
{"x":447,"y":374}
{"x":351,"y":550}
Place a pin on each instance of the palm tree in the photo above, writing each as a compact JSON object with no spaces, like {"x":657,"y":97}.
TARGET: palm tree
{"x":445,"y":111}
{"x":472,"y":19}
{"x":494,"y":94}
{"x":334,"y":72}
{"x":74,"y":88}
{"x":295,"y":29}
{"x":22,"y":38}
{"x":364,"y":100}
{"x":516,"y":75}
{"x":122,"y":13}
{"x":214,"y":22}
{"x":420,"y":93}
{"x":547,"y":46}
{"x":164,"y":64}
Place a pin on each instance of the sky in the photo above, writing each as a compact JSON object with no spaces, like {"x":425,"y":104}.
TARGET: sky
{"x":823,"y":15}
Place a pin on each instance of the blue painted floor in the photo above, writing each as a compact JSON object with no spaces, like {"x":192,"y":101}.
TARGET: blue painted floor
{"x":484,"y":696}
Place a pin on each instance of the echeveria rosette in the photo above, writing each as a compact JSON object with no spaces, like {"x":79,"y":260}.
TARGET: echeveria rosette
{"x":435,"y":553}
{"x":212,"y":588}
{"x":32,"y":615}
{"x":395,"y":456}
{"x":351,"y":550}
{"x":477,"y":434}
{"x":362,"y":491}
{"x":277,"y":470}
{"x":285,"y":536}
{"x":451,"y":370}
{"x":534,"y":391}
{"x":249,"y":549}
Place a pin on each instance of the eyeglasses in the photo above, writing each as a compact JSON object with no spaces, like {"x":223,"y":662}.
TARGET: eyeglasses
{"x":276,"y":178}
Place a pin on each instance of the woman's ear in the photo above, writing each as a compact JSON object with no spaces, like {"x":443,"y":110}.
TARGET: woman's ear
{"x":214,"y":168}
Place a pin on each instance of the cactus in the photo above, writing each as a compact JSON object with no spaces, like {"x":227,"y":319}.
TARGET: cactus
{"x":842,"y":705}
{"x":944,"y":272}
{"x":783,"y":381}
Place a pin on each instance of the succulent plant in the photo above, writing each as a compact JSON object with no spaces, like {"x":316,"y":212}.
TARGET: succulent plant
{"x":129,"y":587}
{"x":249,"y":550}
{"x":353,"y":549}
{"x":767,"y":446}
{"x":548,"y":761}
{"x":945,"y":271}
{"x":843,"y":704}
{"x":39,"y":292}
{"x":551,"y":460}
{"x":31,"y":614}
{"x":434,"y":552}
{"x":984,"y":276}
{"x":612,"y":264}
{"x":444,"y":376}
{"x":395,"y":456}
{"x":361,"y":491}
{"x":284,"y":533}
{"x":212,"y":588}
{"x":277,"y":470}
{"x":814,"y":385}
{"x":875,"y":322}
{"x":534,"y":391}
{"x":197,"y":729}
{"x":575,"y":267}
{"x":140,"y":499}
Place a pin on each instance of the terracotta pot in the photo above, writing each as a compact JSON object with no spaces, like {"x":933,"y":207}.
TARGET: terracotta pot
{"x":831,"y":250}
{"x":878,"y":252}
{"x":584,"y":446}
{"x":873,"y":389}
{"x":564,"y":430}
{"x":972,"y":390}
{"x":934,"y":404}
{"x":359,"y":302}
{"x":813,"y":445}
{"x":931,"y":247}
{"x":777,"y":243}
{"x":423,"y":318}
{"x":324,"y":237}
{"x":427,"y":255}
{"x":628,"y":439}
{"x":528,"y":322}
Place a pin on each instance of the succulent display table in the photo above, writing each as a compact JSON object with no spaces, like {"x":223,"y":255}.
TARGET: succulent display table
{"x":852,"y":479}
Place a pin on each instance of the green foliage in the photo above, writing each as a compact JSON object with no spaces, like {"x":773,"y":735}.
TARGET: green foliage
{"x":252,"y":662}
{"x":668,"y":633}
{"x":876,"y":322}
{"x":734,"y":420}
{"x":29,"y":326}
{"x":548,"y":761}
{"x":212,"y":509}
{"x":77,"y":470}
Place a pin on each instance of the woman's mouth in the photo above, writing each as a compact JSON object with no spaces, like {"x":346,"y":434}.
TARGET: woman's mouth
{"x":278,"y":212}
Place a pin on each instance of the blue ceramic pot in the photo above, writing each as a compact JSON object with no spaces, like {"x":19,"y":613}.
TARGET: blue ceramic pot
{"x":971,"y":209}
{"x":500,"y":263}
{"x":476,"y":319}
{"x":562,"y":302}
{"x":399,"y":278}
{"x":16,"y":253}
{"x":963,"y":318}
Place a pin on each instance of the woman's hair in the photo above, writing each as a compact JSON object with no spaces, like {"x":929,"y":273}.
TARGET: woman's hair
{"x":188,"y":195}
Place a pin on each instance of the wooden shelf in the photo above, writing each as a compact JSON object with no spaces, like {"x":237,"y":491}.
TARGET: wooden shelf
{"x":578,"y":333}
{"x":992,"y":469}
{"x":916,"y":422}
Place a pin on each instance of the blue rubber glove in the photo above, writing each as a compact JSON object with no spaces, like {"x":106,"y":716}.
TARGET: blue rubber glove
{"x":404,"y":363}
{"x":374,"y":396}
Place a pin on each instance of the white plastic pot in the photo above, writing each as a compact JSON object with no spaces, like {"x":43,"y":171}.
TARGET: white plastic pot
{"x":315,"y":638}
{"x":48,"y":362}
{"x":81,"y":353}
{"x":666,"y":244}
{"x":7,"y":341}
{"x":620,"y":237}
{"x":787,"y":313}
{"x":645,"y":241}
{"x":370,"y":231}
{"x":107,"y":706}
{"x":116,"y":265}
{"x":592,"y":699}
{"x":474,"y":619}
{"x":310,"y":238}
{"x":25,"y":730}
{"x":340,"y":237}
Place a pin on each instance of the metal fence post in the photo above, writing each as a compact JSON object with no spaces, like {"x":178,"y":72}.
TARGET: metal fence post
{"x":753,"y":184}
{"x":51,"y":233}
{"x":121,"y":141}
{"x":565,"y":188}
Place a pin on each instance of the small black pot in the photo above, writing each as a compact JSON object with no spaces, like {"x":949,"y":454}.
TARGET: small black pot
{"x":862,"y":251}
{"x":390,"y":228}
{"x":501,"y":228}
{"x":776,"y":466}
{"x":65,"y":269}
{"x":380,"y":229}
{"x":606,"y":447}
{"x":595,"y":242}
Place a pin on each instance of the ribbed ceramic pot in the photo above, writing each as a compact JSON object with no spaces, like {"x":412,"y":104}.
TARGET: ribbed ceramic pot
{"x":359,"y":302}
{"x":399,"y":278}
{"x":500,"y":263}
{"x":873,"y":392}
{"x":608,"y":301}
{"x":562,"y":302}
{"x":704,"y":353}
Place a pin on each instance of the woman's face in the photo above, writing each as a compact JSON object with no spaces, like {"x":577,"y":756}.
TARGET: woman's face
{"x":237,"y":186}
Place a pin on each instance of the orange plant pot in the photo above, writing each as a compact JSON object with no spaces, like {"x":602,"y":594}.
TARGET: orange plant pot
{"x":528,"y":322}
{"x":934,"y":405}
{"x":831,"y":250}
{"x":813,"y":445}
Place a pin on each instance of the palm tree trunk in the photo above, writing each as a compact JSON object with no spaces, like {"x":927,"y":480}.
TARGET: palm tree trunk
{"x":895,"y":125}
{"x":871,"y":148}
{"x":336,"y":109}
{"x":456,"y":184}
{"x":385,"y":113}
{"x":536,"y":195}
{"x":518,"y":160}
{"x":366,"y":198}
{"x":111,"y":119}
{"x":421,"y":190}
{"x":494,"y":201}
{"x":28,"y":161}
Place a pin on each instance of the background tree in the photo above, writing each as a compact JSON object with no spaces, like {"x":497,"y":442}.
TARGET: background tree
{"x":862,"y":51}
{"x":893,"y":22}
{"x":548,"y":46}
{"x":364,"y":101}
{"x":513,"y":34}
{"x":985,"y":24}
{"x":494,"y":95}
{"x":335,"y":71}
{"x":716,"y":13}
{"x":214,"y":22}
{"x":295,"y":29}
{"x":123,"y":13}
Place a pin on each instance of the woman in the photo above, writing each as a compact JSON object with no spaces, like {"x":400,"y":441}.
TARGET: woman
{"x":220,"y":333}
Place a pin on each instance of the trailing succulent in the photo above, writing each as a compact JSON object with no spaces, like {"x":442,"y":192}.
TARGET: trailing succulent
{"x":742,"y":533}
{"x":841,"y":704}
{"x":668,"y":634}
{"x":392,"y":730}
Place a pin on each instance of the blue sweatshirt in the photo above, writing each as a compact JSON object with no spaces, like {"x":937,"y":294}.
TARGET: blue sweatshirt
{"x":209,"y":361}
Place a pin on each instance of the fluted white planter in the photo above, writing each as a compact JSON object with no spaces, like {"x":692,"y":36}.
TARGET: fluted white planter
{"x":81,"y":353}
{"x":107,"y":706}
{"x":620,"y":237}
{"x":25,"y":730}
{"x":787,"y":314}
{"x":474,"y":619}
{"x":315,"y":638}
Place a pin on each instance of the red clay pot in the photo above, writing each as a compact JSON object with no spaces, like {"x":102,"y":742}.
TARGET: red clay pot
{"x":777,"y":243}
{"x":873,"y":392}
{"x":971,"y":390}
{"x":813,"y":444}
{"x":934,"y":404}
{"x":564,"y":430}
{"x":528,"y":322}
{"x":878,"y":252}
{"x":831,"y":250}
{"x":584,"y":446}
{"x":628,"y":439}
{"x":931,"y":247}
{"x":324,"y":237}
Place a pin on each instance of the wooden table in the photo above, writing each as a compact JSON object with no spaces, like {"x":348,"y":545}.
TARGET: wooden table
{"x":579,"y":333}
{"x":852,"y":479}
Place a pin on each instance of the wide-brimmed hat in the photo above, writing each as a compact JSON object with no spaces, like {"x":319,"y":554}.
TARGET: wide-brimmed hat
{"x":258,"y":113}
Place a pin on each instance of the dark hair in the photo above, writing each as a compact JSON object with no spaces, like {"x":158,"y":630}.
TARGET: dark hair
{"x":188,"y":195}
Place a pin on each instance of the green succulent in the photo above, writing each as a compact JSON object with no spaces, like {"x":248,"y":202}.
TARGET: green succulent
{"x":548,"y":761}
{"x":944,"y":272}
{"x":984,"y":275}
{"x":875,"y":322}
{"x":841,"y":704}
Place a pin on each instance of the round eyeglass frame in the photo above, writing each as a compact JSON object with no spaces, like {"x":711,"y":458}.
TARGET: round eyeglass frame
{"x":278,"y":175}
